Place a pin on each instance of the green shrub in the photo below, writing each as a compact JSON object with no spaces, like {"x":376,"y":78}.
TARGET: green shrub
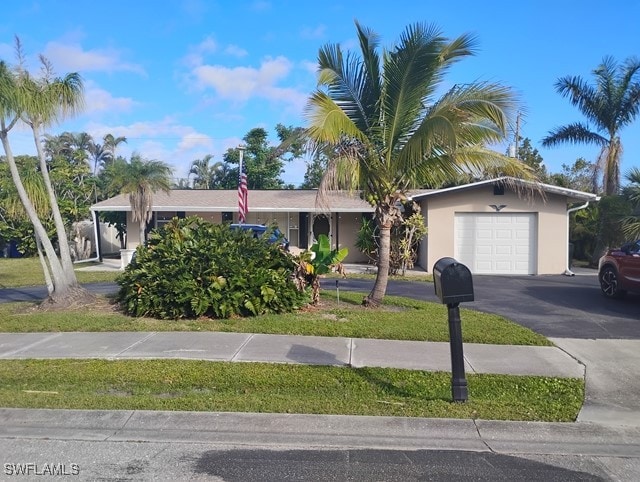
{"x":193,"y":268}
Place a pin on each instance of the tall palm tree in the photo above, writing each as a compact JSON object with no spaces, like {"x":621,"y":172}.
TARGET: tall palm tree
{"x":47,"y":99}
{"x":11,"y":205}
{"x":39,"y":102}
{"x":103,"y":154}
{"x":611,"y":104}
{"x":203,"y":173}
{"x":389,"y":131}
{"x":140,"y":179}
{"x":111,"y":143}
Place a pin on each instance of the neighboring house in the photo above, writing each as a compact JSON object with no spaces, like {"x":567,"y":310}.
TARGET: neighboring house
{"x":501,"y":226}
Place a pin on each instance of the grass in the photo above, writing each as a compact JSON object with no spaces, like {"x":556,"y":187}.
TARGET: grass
{"x":259,"y":387}
{"x":19,"y":272}
{"x":399,"y":319}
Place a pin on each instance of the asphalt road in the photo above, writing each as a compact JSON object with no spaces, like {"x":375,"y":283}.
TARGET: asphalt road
{"x":555,"y":306}
{"x":99,"y":460}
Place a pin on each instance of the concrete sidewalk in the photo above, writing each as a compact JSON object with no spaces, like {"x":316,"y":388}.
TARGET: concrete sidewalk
{"x":314,"y":350}
{"x":600,"y":436}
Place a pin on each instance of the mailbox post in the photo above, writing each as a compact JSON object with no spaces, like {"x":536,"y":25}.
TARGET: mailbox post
{"x":454,"y":285}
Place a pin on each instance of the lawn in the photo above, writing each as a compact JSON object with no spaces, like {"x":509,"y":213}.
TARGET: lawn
{"x":260,"y":387}
{"x":399,"y":319}
{"x":18,"y":272}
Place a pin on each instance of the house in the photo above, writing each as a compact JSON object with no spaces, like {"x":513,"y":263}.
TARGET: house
{"x":499,"y":226}
{"x":296,"y":212}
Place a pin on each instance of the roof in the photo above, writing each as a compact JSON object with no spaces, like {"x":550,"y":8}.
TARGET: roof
{"x":571,"y":194}
{"x":212,"y":200}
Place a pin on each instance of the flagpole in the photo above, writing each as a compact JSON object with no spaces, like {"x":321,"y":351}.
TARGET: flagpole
{"x":241,"y":149}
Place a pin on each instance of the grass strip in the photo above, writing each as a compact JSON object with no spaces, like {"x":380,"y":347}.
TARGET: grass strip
{"x":261,"y":387}
{"x":19,"y":272}
{"x":399,"y":319}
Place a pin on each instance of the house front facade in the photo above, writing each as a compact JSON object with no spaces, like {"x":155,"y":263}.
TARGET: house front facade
{"x":297,"y":213}
{"x":501,"y":226}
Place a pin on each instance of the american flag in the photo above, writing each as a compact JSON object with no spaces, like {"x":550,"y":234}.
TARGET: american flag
{"x":243,"y":206}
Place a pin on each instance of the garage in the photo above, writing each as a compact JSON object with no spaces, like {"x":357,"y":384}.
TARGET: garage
{"x":496,"y":243}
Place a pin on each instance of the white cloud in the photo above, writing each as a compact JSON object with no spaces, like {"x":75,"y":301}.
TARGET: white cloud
{"x":71,"y":57}
{"x":235,"y":51}
{"x":242,"y":83}
{"x":196,"y":53}
{"x":260,"y":6}
{"x":99,"y":100}
{"x":193,"y":140}
{"x":311,"y":67}
{"x":313,"y":33}
{"x":164,"y":140}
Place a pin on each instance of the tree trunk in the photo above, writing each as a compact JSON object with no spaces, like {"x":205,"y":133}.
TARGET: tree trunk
{"x":54,"y":264}
{"x":64,"y":293}
{"x":45,"y":268}
{"x":315,"y":290}
{"x":143,"y":228}
{"x":382,"y":277}
{"x":65,"y":253}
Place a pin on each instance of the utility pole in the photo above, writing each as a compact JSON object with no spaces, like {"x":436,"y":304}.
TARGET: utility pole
{"x":517,"y":135}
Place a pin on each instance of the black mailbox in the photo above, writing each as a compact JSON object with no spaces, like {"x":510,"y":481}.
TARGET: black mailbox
{"x":452,"y":281}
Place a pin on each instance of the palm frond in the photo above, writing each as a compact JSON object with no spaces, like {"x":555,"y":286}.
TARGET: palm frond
{"x":345,"y":80}
{"x":328,"y":122}
{"x":575,"y":133}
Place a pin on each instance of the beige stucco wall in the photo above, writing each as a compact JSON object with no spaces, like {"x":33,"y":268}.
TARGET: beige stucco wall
{"x":439,"y":212}
{"x":133,"y":232}
{"x":348,"y":226}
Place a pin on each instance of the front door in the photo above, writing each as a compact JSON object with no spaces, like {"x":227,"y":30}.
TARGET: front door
{"x":320,"y":224}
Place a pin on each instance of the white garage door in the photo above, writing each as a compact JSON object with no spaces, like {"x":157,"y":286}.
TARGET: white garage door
{"x":500,"y":243}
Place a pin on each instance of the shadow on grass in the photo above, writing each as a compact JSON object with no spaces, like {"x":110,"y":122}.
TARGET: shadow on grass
{"x":371,"y":375}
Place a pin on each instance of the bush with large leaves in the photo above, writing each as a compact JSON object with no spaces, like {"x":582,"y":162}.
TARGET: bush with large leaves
{"x":193,"y":268}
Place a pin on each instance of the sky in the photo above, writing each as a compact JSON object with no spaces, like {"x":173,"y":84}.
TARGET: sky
{"x":181,"y":79}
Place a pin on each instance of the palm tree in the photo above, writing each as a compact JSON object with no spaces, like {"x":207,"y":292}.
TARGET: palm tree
{"x":11,"y":205}
{"x":203,"y":173}
{"x":103,"y":154}
{"x":140,"y":179}
{"x":39,"y":103}
{"x":612,"y":104}
{"x":111,"y":143}
{"x":391,"y":134}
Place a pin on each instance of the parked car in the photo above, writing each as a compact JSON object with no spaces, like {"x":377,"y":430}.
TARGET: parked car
{"x":619,"y":270}
{"x":275,"y":235}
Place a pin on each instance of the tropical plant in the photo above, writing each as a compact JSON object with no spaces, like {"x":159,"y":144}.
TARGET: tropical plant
{"x":203,"y":173}
{"x":404,"y":242}
{"x":192,"y":268}
{"x":390,"y":132}
{"x":321,"y":259}
{"x":40,"y":102}
{"x":140,"y":179}
{"x":631,"y":224}
{"x":14,"y":222}
{"x":611,"y":104}
{"x":367,"y":239}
